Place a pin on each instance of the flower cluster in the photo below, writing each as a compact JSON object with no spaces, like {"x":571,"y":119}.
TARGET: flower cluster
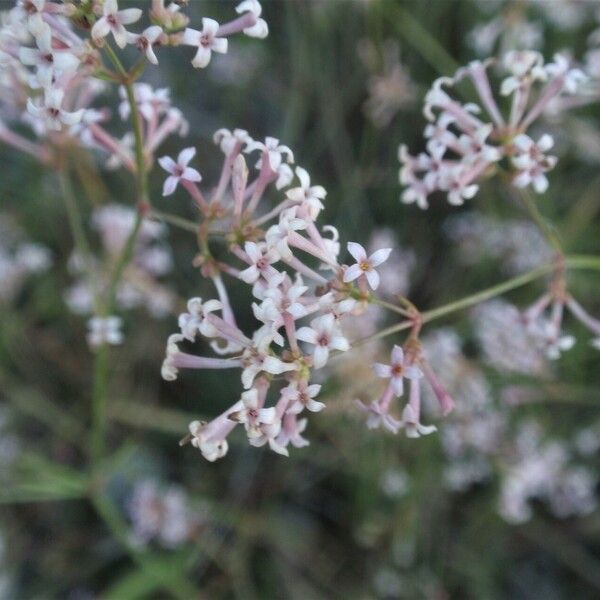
{"x":161,"y":513}
{"x":517,"y":244}
{"x":406,"y":363}
{"x":18,"y":260}
{"x":543,"y":320}
{"x":293,"y":269}
{"x":140,"y":285}
{"x":542,"y":469}
{"x":51,"y":76}
{"x":467,"y":141}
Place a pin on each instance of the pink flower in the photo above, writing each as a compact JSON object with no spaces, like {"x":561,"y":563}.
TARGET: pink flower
{"x":179,"y":171}
{"x":51,"y":112}
{"x":397,"y":370}
{"x":113,"y":21}
{"x":252,"y":415}
{"x":48,"y":61}
{"x":377,"y":416}
{"x":291,"y":432}
{"x":302,"y":396}
{"x":365,"y":265}
{"x":206,"y":41}
{"x":411,"y":414}
{"x":325,"y":335}
{"x":261,"y":258}
{"x":306,"y":195}
{"x":196,"y":319}
{"x":146,"y":40}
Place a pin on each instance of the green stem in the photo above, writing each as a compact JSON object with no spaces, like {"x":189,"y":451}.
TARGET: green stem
{"x":101,"y":367}
{"x":424,"y":42}
{"x":76,"y":225}
{"x":74,"y":215}
{"x":545,"y":227}
{"x":577,"y":262}
{"x":99,"y":393}
{"x":180,"y":222}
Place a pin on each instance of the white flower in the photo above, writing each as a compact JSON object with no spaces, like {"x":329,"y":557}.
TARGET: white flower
{"x":53,"y":116}
{"x":532,"y":162}
{"x":113,"y":21}
{"x":179,"y":171}
{"x":252,"y":416}
{"x":211,"y":449}
{"x":277,"y":235}
{"x":285,"y":297}
{"x":458,"y":190}
{"x":169,"y":370}
{"x":146,"y":40}
{"x":378,"y":417}
{"x":302,"y":396}
{"x":261,"y":258}
{"x":291,"y":432}
{"x":196,"y":319}
{"x":525,"y":66}
{"x":273,"y":150}
{"x":256,"y":360}
{"x":397,"y":370}
{"x":412,"y":426}
{"x":151,"y":102}
{"x":365,"y":265}
{"x":560,"y":68}
{"x":228,"y":141}
{"x":307,"y":196}
{"x":260,"y":29}
{"x":48,"y":61}
{"x":104,"y":330}
{"x":206,"y":41}
{"x":325,"y":335}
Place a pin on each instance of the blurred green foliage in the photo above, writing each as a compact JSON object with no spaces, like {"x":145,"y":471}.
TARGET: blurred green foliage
{"x":319,"y":524}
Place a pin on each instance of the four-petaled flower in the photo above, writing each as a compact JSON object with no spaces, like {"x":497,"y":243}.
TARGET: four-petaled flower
{"x":206,"y":41}
{"x":261,"y":258}
{"x":252,"y":415}
{"x":104,"y":330}
{"x":196,"y":319}
{"x":399,"y":369}
{"x":324,"y":333}
{"x":113,"y":21}
{"x":179,"y":171}
{"x":48,"y":61}
{"x":146,"y":41}
{"x":306,"y":195}
{"x":365,"y":265}
{"x":51,"y":112}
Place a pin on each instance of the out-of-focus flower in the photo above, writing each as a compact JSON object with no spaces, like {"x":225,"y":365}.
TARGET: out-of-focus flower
{"x":467,"y":140}
{"x":161,"y":513}
{"x":104,"y":330}
{"x":390,"y":86}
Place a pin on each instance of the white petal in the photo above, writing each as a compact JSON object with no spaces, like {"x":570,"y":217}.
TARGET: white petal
{"x":357,"y":251}
{"x":170,"y":185}
{"x":352,"y":273}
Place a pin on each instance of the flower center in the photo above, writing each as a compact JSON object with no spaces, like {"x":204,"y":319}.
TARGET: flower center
{"x":365,"y":265}
{"x":323,"y":340}
{"x":397,"y":370}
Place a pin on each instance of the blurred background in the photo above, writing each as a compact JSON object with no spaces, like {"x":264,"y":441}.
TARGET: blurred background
{"x":502,"y":502}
